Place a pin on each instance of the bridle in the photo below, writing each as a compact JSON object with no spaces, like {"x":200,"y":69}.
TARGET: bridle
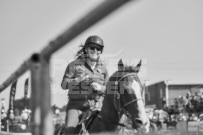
{"x":120,"y":108}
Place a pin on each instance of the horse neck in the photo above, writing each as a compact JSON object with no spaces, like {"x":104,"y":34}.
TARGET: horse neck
{"x":109,"y":117}
{"x":109,"y":112}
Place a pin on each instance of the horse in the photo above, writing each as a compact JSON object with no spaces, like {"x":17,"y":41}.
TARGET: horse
{"x":123,"y":97}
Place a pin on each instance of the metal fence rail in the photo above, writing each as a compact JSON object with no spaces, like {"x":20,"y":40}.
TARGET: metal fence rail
{"x":39,"y":65}
{"x":20,"y":71}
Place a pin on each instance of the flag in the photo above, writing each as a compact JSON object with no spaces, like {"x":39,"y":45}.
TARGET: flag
{"x":12,"y":97}
{"x":26,"y":93}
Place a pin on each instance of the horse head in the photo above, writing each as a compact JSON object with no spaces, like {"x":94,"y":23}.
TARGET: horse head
{"x":128,"y":93}
{"x":123,"y":96}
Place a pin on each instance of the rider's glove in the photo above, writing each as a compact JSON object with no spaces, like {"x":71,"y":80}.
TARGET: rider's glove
{"x":81,"y":78}
{"x":96,"y":86}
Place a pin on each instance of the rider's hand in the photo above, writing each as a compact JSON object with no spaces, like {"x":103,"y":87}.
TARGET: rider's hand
{"x":82,"y":78}
{"x":96,"y":86}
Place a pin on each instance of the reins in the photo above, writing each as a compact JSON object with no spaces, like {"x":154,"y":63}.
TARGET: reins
{"x":116,"y":123}
{"x":118,"y":95}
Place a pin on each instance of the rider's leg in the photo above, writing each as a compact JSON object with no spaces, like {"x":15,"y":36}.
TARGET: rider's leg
{"x":72,"y":120}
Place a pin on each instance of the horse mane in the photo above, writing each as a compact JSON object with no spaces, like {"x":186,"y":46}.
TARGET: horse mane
{"x":113,"y":76}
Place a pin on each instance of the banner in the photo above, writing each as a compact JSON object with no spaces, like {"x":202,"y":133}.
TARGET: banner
{"x":26,"y":93}
{"x":195,"y":126}
{"x":201,"y":126}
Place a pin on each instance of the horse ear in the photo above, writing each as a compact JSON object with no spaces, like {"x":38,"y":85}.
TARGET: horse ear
{"x":120,"y":65}
{"x":137,"y":68}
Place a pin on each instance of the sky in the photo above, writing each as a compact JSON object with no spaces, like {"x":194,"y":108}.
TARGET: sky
{"x":166,"y":35}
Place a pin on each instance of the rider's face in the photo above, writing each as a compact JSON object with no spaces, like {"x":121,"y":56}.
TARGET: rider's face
{"x":94,"y":51}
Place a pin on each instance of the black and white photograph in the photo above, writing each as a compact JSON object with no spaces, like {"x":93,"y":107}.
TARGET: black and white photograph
{"x":101,"y":67}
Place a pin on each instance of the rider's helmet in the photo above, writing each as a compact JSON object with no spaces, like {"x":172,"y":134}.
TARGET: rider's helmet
{"x":95,"y":40}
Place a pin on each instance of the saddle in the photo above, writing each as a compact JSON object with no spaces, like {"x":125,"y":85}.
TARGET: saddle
{"x":86,"y":120}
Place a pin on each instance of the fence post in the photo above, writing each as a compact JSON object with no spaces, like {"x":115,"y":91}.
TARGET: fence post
{"x":40,"y":96}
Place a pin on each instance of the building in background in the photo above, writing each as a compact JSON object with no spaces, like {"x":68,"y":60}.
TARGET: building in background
{"x":163,"y":93}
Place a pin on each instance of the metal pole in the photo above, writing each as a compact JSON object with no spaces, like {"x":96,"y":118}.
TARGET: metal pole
{"x":21,"y":70}
{"x":146,"y":91}
{"x":41,"y":117}
{"x":167,"y":82}
{"x":167,"y":98}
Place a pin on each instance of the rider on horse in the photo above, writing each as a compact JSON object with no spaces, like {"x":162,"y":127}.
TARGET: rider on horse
{"x":86,"y":79}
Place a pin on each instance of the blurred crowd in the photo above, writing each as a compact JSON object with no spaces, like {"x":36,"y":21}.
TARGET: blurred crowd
{"x":187,"y":107}
{"x":189,"y":103}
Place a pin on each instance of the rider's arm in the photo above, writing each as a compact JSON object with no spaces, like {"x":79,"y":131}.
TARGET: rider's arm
{"x":69,"y":77}
{"x":103,"y":87}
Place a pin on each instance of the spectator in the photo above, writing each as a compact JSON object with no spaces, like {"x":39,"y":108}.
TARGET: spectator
{"x":185,"y":101}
